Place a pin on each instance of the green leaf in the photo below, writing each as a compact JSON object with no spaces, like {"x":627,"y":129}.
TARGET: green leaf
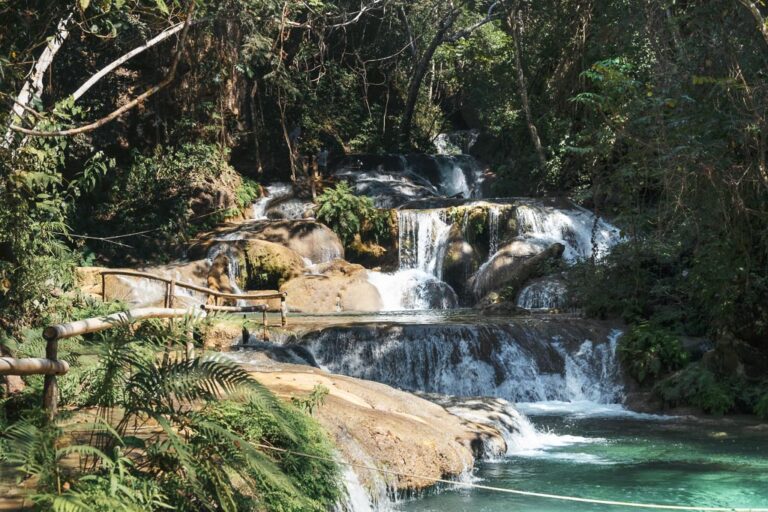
{"x":162,"y":6}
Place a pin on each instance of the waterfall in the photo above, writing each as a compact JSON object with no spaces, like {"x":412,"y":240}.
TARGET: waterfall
{"x":494,"y":212}
{"x":546,"y":293}
{"x":527,"y":360}
{"x":455,"y":143}
{"x":356,"y":498}
{"x":233,"y":261}
{"x":581,"y":232}
{"x":418,"y":284}
{"x":423,"y":236}
{"x":274,"y":193}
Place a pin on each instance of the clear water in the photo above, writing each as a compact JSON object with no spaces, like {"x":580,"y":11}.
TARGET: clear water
{"x":606,"y":454}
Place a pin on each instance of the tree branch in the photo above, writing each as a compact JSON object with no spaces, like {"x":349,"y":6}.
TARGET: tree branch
{"x":131,"y":104}
{"x":465,"y":32}
{"x":34,"y":84}
{"x":752,"y":8}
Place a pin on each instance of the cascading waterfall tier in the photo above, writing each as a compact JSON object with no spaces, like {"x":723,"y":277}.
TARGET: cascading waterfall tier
{"x":392,"y":180}
{"x":423,"y":236}
{"x":545,"y":293}
{"x":418,"y":284}
{"x":583,"y":234}
{"x":525,"y":360}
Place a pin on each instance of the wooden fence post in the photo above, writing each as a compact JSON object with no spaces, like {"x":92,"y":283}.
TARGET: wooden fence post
{"x":283,"y":311}
{"x":265,"y":323}
{"x":171,"y":293}
{"x":190,"y":344}
{"x":103,"y":288}
{"x":50,"y":386}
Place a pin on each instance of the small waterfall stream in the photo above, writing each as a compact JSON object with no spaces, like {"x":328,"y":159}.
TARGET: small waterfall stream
{"x":423,"y":236}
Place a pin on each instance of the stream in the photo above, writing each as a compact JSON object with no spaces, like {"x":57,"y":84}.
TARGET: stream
{"x":607,"y":453}
{"x":565,"y":427}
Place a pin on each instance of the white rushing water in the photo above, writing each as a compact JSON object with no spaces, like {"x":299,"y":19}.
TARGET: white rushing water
{"x":542,"y":294}
{"x":273,"y":193}
{"x":418,"y":284}
{"x":412,"y":289}
{"x":423,"y":238}
{"x":494,"y":214}
{"x":580,"y":231}
{"x":520,"y":361}
{"x":356,"y":498}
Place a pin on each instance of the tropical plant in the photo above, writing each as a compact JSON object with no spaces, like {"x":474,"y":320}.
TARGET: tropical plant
{"x":348,"y":214}
{"x":172,"y":431}
{"x":648,"y":351}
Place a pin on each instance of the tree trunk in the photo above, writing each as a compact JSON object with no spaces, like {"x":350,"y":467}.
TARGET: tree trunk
{"x":514,"y":24}
{"x":419,"y":73}
{"x":34,"y":85}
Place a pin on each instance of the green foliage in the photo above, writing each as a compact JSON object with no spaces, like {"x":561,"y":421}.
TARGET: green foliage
{"x":312,"y":401}
{"x":348,"y":214}
{"x":171,"y":193}
{"x":292,"y":430}
{"x":648,"y":351}
{"x":248,"y":192}
{"x":695,"y":385}
{"x":206,"y":413}
{"x":34,"y":262}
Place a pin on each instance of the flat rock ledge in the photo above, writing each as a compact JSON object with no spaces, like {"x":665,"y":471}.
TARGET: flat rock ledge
{"x":376,"y":425}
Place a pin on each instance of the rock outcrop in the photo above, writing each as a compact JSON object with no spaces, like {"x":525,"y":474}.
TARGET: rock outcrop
{"x":512,"y":266}
{"x":310,"y":239}
{"x":376,"y":425}
{"x":334,"y":286}
{"x":265,"y":265}
{"x":460,"y":262}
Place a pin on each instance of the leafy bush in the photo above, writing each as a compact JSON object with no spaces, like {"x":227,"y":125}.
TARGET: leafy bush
{"x":248,"y":192}
{"x":205,"y":414}
{"x":648,"y":351}
{"x":171,"y":194}
{"x":348,"y":214}
{"x":696,"y":385}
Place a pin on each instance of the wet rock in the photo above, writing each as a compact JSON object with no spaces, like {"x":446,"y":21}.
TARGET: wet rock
{"x":265,"y":265}
{"x":460,"y":262}
{"x":513,"y":265}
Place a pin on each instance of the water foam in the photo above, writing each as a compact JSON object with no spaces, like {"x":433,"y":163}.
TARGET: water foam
{"x":581,"y":232}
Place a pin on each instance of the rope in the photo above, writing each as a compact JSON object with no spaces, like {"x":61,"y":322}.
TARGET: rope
{"x":514,"y":491}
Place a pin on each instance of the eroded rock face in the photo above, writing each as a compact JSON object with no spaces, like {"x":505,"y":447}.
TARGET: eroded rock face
{"x":266,"y":265}
{"x":334,"y":286}
{"x":460,"y":262}
{"x":512,"y":266}
{"x":310,"y":239}
{"x":374,"y":424}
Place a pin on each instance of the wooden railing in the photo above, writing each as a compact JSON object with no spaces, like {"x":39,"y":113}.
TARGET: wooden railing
{"x":50,"y":366}
{"x":172,"y":284}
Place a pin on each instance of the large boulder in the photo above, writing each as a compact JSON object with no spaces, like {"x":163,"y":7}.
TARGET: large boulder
{"x":332,"y":287}
{"x":512,"y":266}
{"x":310,"y":239}
{"x":376,"y":425}
{"x":248,"y":265}
{"x":461,"y":260}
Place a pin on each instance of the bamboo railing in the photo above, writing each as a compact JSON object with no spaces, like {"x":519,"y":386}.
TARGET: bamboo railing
{"x":171,"y":284}
{"x":50,"y":366}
